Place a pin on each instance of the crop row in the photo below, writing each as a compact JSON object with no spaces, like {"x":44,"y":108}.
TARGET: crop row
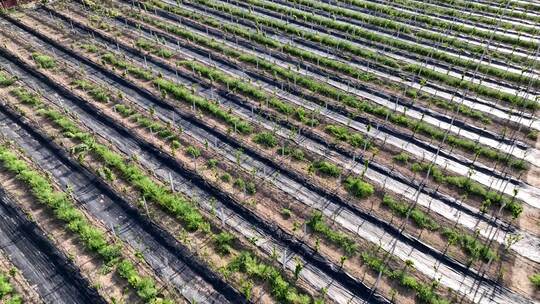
{"x":341,"y":135}
{"x":173,"y":203}
{"x":268,"y":141}
{"x":356,"y":31}
{"x":356,"y":140}
{"x":429,"y":35}
{"x":355,"y":186}
{"x":351,"y":101}
{"x":451,"y":15}
{"x":452,"y":105}
{"x":314,"y":58}
{"x":358,"y":51}
{"x":518,"y":213}
{"x":439,"y":12}
{"x":64,"y":208}
{"x":501,"y":10}
{"x":79,"y":151}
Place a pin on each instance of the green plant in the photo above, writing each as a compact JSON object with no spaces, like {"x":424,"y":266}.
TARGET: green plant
{"x":223,"y":242}
{"x":175,"y":145}
{"x":193,"y":152}
{"x":44,"y":61}
{"x":175,"y":204}
{"x":342,"y":133}
{"x":65,"y":210}
{"x":212,"y":163}
{"x":420,"y":219}
{"x":226,"y":177}
{"x":181,"y":93}
{"x":286,"y":213}
{"x":325,"y":168}
{"x":535,"y":280}
{"x":282,"y":290}
{"x":26,"y":96}
{"x":317,"y":224}
{"x":5,"y":286}
{"x":296,"y":153}
{"x":130,"y":68}
{"x":6,"y":80}
{"x":356,"y":50}
{"x":92,"y":48}
{"x":247,"y":289}
{"x":469,"y":186}
{"x":401,"y":157}
{"x":250,"y":188}
{"x":98,"y":93}
{"x":266,"y":139}
{"x":424,"y":292}
{"x":321,"y":88}
{"x":533,"y":134}
{"x":358,"y":187}
{"x":470,"y":244}
{"x":144,"y":44}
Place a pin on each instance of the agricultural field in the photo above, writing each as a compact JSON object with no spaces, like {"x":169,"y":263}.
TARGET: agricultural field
{"x":270,"y":151}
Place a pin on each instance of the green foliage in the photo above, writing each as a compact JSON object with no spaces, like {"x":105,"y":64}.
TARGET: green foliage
{"x":441,"y":24}
{"x":212,"y":163}
{"x":251,"y":189}
{"x":425,"y":293}
{"x":44,"y":61}
{"x":175,"y":144}
{"x":144,"y":44}
{"x":129,"y":171}
{"x":173,"y":203}
{"x":342,"y":133}
{"x":193,"y":152}
{"x":226,"y":177}
{"x":92,"y":48}
{"x":533,"y":134}
{"x":325,"y":168}
{"x":26,"y":97}
{"x":358,"y":187}
{"x":383,"y":112}
{"x":286,"y":213}
{"x":150,"y":46}
{"x":5,"y":286}
{"x":122,"y":64}
{"x":6,"y":80}
{"x":154,"y":125}
{"x":240,"y":184}
{"x":401,"y":209}
{"x":266,"y":139}
{"x":325,"y":90}
{"x":305,"y":55}
{"x":469,"y":186}
{"x":402,"y":157}
{"x":124,"y":110}
{"x":295,"y":153}
{"x":317,"y":224}
{"x":179,"y":92}
{"x":282,"y":290}
{"x":164,"y":53}
{"x":145,"y":286}
{"x":223,"y":242}
{"x":245,"y":88}
{"x":98,"y":93}
{"x":470,"y":244}
{"x":359,"y":51}
{"x":63,"y":208}
{"x":535,"y":280}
